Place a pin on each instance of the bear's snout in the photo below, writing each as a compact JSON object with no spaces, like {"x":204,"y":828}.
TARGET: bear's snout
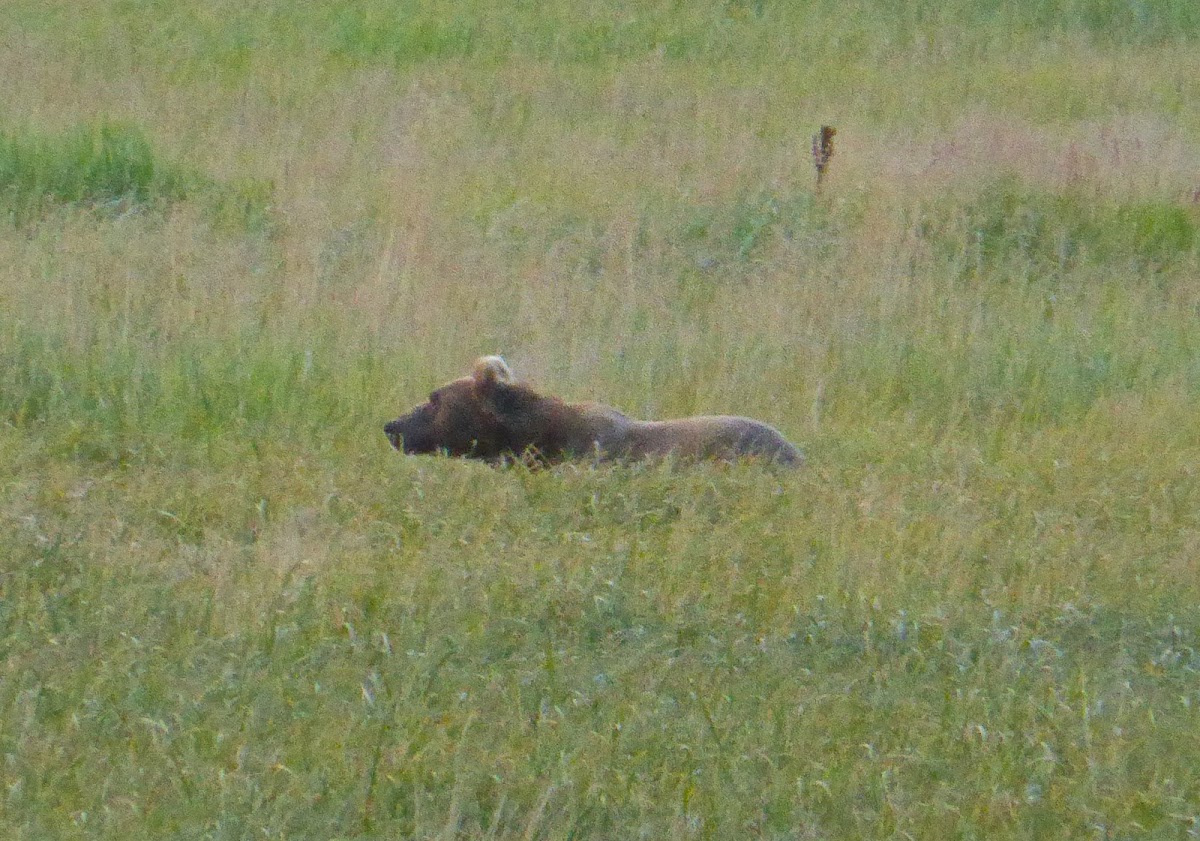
{"x":394,"y":432}
{"x":411,"y":434}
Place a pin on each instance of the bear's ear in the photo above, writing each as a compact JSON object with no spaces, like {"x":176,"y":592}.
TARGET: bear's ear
{"x":490,"y":370}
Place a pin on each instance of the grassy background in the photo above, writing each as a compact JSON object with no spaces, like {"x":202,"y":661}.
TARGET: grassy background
{"x":236,"y":238}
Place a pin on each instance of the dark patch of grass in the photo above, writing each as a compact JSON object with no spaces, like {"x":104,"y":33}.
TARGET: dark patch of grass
{"x":1044,"y":234}
{"x":103,"y":165}
{"x":102,"y":404}
{"x":1114,"y":20}
{"x":111,"y":166}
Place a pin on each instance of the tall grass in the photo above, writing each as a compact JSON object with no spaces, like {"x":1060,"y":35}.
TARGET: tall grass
{"x":228,"y":609}
{"x":106,"y":164}
{"x":112,"y":167}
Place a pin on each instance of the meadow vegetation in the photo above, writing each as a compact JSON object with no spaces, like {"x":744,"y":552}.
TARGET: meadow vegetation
{"x":236,"y":238}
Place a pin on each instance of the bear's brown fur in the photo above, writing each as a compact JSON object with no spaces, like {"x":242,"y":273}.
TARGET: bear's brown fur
{"x":489,"y":416}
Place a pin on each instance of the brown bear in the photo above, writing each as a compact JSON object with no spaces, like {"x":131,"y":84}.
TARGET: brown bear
{"x":489,"y":416}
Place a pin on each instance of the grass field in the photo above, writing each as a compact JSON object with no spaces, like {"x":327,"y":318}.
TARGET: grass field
{"x":236,"y":238}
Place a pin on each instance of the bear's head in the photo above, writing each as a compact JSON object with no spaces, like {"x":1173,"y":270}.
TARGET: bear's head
{"x":485,"y":415}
